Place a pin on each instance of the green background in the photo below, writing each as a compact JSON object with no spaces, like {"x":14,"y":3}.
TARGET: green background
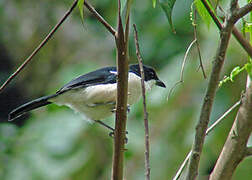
{"x":56,"y":143}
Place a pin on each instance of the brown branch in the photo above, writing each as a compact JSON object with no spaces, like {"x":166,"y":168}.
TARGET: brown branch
{"x":243,"y":11}
{"x":210,"y":129}
{"x":197,"y":44}
{"x":55,"y":28}
{"x":182,"y":69}
{"x":121,"y":105}
{"x":100,"y":18}
{"x":126,"y":34}
{"x":209,"y":98}
{"x":146,"y":126}
{"x":243,"y":42}
{"x":235,"y":150}
{"x":222,"y":117}
{"x":212,"y":14}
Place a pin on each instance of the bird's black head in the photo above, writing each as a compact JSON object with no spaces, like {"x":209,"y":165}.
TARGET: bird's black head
{"x":149,"y":74}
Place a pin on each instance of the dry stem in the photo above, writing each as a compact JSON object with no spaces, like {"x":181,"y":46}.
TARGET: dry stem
{"x":122,"y":96}
{"x":100,"y":18}
{"x":146,"y":126}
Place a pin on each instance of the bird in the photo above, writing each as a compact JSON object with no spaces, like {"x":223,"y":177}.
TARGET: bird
{"x":94,"y":94}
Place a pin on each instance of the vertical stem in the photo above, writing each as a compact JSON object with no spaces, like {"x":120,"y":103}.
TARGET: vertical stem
{"x":197,"y":43}
{"x":146,"y":123}
{"x":209,"y":97}
{"x":250,"y":31}
{"x":122,"y":96}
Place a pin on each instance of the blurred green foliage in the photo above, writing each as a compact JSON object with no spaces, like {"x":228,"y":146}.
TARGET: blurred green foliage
{"x":55,"y":143}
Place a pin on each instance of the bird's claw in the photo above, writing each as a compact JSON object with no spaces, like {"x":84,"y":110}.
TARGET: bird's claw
{"x":112,"y":134}
{"x":125,"y":140}
{"x":128,"y":109}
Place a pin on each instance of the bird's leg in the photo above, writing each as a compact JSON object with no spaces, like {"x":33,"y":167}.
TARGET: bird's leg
{"x":112,"y":133}
{"x":128,"y":108}
{"x":105,"y":125}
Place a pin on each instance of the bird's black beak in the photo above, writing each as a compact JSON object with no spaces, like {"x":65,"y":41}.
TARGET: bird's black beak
{"x":160,"y":83}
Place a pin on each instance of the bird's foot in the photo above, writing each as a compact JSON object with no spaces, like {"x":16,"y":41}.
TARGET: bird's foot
{"x":112,"y":134}
{"x":128,"y":109}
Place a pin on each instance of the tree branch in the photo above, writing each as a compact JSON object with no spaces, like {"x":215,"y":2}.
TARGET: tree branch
{"x":235,"y":148}
{"x":122,"y":96}
{"x":243,"y":11}
{"x":212,"y":14}
{"x":146,"y":126}
{"x":212,"y":127}
{"x":209,"y":98}
{"x":55,"y":28}
{"x":100,"y":18}
{"x":243,"y":42}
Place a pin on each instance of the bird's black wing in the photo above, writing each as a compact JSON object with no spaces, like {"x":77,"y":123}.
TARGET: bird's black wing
{"x":101,"y":76}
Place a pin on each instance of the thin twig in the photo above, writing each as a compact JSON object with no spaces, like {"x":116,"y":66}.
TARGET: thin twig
{"x":197,"y":44}
{"x":212,"y":127}
{"x":212,"y":14}
{"x":181,"y":168}
{"x":182,"y":69}
{"x":100,"y":18}
{"x":126,"y":34}
{"x":146,"y":126}
{"x":184,"y":60}
{"x":245,"y":44}
{"x":55,"y":28}
{"x":222,"y":117}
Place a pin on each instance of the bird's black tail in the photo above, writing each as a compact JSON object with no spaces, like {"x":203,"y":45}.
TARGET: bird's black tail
{"x":43,"y":101}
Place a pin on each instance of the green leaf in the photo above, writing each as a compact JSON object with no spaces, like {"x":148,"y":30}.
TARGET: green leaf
{"x":80,"y":4}
{"x":248,"y":68}
{"x":203,"y":12}
{"x":237,"y":70}
{"x":248,"y":27}
{"x":167,"y":6}
{"x":234,"y":73}
{"x":154,"y":2}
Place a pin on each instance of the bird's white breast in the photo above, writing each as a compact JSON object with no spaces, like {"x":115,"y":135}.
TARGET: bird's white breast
{"x":97,"y":102}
